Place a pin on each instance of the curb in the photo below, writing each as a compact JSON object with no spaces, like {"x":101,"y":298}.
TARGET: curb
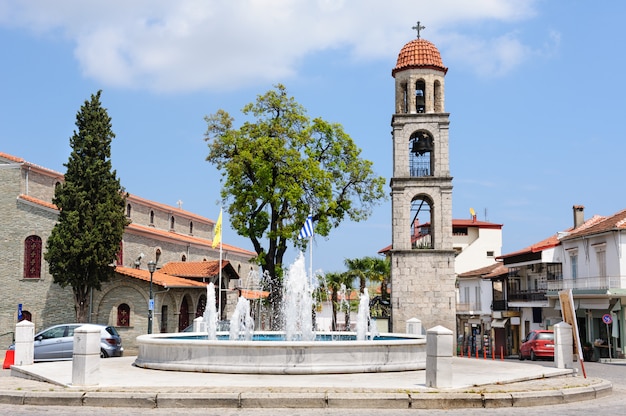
{"x":321,"y":400}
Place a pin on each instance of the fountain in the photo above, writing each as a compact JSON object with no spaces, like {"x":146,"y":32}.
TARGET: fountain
{"x":296,"y":350}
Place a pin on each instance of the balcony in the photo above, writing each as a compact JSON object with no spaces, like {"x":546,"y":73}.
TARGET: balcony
{"x":499,"y":305}
{"x":586,"y":283}
{"x":471,"y":307}
{"x":527,"y":295}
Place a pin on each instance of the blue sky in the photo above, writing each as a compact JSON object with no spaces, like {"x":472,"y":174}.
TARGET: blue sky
{"x":535,"y":91}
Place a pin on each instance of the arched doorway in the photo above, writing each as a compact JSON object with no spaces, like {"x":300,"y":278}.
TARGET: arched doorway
{"x":183,"y":318}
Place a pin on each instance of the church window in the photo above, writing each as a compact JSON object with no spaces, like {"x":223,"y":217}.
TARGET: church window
{"x":151,"y":217}
{"x":172,"y":223}
{"x":201,"y":306}
{"x":123,"y":315}
{"x":128,"y":210}
{"x":32,"y":257}
{"x":191,"y":227}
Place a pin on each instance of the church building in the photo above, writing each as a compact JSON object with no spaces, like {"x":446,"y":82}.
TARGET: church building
{"x":178,"y":241}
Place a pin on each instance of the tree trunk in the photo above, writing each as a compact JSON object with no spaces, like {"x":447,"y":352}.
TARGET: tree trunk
{"x":82,"y":307}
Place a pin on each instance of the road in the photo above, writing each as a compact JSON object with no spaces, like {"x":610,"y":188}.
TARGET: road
{"x":611,"y":405}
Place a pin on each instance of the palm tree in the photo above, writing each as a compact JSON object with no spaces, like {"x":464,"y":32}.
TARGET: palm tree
{"x":373,"y":269}
{"x":334,"y":282}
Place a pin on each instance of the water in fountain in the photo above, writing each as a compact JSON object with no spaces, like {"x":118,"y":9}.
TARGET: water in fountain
{"x":364,"y":323}
{"x":298,"y":303}
{"x":241,"y":323}
{"x":210,"y":313}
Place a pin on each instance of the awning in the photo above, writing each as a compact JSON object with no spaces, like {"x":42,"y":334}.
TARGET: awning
{"x":557,"y":304}
{"x":253,"y":294}
{"x":499,"y":323}
{"x":593,"y":304}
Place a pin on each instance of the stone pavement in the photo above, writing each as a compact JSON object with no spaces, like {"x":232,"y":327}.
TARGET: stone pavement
{"x":476,"y":383}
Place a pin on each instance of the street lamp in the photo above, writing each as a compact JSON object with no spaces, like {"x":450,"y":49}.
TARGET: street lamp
{"x":151,"y":269}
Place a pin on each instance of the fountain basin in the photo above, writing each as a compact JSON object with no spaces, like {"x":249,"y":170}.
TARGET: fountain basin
{"x":190,"y":352}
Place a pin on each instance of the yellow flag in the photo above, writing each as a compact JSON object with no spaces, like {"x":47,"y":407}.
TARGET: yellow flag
{"x":218,"y":231}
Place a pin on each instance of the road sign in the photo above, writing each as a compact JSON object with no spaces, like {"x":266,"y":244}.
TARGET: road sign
{"x":151,"y":305}
{"x":606,"y":318}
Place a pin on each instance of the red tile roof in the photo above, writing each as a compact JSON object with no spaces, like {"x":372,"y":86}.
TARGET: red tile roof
{"x":493,"y":270}
{"x":554,"y":240}
{"x":177,"y":211}
{"x":598,"y":225}
{"x":16,"y":159}
{"x":193,"y":268}
{"x":184,"y":237}
{"x":253,"y":294}
{"x":419,"y":53}
{"x":37,"y":201}
{"x":159,"y":278}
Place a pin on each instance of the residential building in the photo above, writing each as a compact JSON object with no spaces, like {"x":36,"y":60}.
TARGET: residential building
{"x":586,"y":259}
{"x":474,"y":311}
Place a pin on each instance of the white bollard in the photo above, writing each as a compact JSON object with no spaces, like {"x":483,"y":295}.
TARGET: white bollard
{"x":563,"y":346}
{"x":198,"y":325}
{"x":24,"y":343}
{"x":414,"y":326}
{"x":86,"y":356}
{"x":439,"y":357}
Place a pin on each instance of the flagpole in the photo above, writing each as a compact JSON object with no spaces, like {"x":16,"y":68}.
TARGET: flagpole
{"x":219,"y":306}
{"x":217,"y":238}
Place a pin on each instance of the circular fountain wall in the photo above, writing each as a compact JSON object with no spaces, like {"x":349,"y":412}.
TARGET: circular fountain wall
{"x":297,"y":350}
{"x":194,"y":352}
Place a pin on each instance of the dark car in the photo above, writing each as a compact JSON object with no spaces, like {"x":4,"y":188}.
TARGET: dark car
{"x":57,"y":342}
{"x":537,"y":344}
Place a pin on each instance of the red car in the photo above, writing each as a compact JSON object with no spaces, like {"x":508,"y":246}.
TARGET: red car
{"x":537,"y":344}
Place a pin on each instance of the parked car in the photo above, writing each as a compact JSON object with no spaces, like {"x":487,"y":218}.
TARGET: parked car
{"x":537,"y":344}
{"x":57,"y":342}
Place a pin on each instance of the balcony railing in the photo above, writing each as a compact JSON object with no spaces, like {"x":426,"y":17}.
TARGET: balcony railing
{"x":467,"y":307}
{"x":499,"y":305}
{"x":586,"y":283}
{"x":527,"y":295}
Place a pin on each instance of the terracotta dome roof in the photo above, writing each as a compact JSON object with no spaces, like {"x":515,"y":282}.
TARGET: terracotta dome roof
{"x":419,"y":53}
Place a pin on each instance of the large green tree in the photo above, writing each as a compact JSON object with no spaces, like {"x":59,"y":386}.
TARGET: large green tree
{"x":85,"y":240}
{"x":279,"y":166}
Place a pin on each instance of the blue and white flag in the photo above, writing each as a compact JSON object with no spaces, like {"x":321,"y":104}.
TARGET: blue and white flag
{"x":307,"y":228}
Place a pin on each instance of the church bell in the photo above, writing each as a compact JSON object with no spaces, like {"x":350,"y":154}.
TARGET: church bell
{"x":422,"y":145}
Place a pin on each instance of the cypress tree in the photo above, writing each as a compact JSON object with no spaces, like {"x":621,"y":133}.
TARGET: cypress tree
{"x":84,"y":243}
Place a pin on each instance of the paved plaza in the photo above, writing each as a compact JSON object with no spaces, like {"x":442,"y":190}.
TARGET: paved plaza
{"x":476,"y":383}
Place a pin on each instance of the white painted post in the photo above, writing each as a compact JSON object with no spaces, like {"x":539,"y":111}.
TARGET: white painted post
{"x":439,"y":342}
{"x":198,"y":325}
{"x":563,"y":345}
{"x":24,"y":343}
{"x":86,"y":356}
{"x":414,"y":326}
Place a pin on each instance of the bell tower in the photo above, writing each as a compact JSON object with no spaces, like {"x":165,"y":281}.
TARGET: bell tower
{"x":422,"y":255}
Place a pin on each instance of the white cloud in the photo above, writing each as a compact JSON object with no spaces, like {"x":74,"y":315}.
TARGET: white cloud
{"x":183,"y":45}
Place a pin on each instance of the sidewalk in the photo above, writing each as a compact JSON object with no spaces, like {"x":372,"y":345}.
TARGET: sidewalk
{"x":476,"y":383}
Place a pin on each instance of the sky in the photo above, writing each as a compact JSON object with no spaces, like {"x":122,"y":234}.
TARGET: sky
{"x":535,"y":92}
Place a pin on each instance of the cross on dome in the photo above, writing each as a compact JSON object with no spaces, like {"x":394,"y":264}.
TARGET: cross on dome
{"x":419,"y":27}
